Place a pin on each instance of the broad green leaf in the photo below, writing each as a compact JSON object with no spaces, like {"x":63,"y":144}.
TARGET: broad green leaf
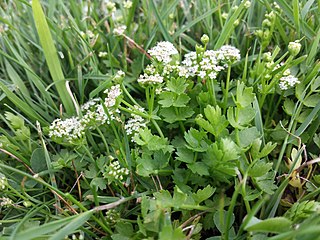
{"x":185,"y":155}
{"x":247,"y":136}
{"x":169,"y":233}
{"x":99,"y":183}
{"x":217,"y":122}
{"x":150,"y":163}
{"x":15,"y":121}
{"x":239,"y":118}
{"x":163,"y":199}
{"x":260,"y":168}
{"x":172,"y":114}
{"x":312,"y":100}
{"x":37,"y":161}
{"x":196,"y":140}
{"x":245,"y":95}
{"x":179,"y":197}
{"x":288,"y":106}
{"x":266,"y":183}
{"x":124,"y":228}
{"x":203,"y":194}
{"x":177,"y":85}
{"x":199,"y":168}
{"x":271,"y":225}
{"x":257,"y":153}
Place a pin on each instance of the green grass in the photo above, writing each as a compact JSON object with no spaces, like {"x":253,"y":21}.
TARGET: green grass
{"x":233,"y":157}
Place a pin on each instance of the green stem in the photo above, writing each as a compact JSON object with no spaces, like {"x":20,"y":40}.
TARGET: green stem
{"x":226,"y":90}
{"x":104,"y":141}
{"x":155,"y":124}
{"x":124,"y":89}
{"x":210,"y":86}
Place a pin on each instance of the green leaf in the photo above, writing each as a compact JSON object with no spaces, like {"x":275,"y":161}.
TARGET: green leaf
{"x":163,"y":199}
{"x":271,"y":225}
{"x":259,"y":169}
{"x":247,"y":136}
{"x":73,"y":225}
{"x":185,"y":155}
{"x":217,"y":122}
{"x":266,"y":183}
{"x":288,"y":106}
{"x":169,"y":233}
{"x":312,"y":100}
{"x":152,"y":142}
{"x":244,"y":95}
{"x":15,"y":121}
{"x":37,"y":161}
{"x":172,"y":114}
{"x":150,"y":163}
{"x":124,"y":228}
{"x":179,"y":197}
{"x":221,"y":158}
{"x":169,"y":99}
{"x":255,"y":149}
{"x":100,"y":183}
{"x":51,"y":55}
{"x":199,"y":168}
{"x":177,"y":85}
{"x":196,"y":140}
{"x":240,"y":118}
{"x":203,"y":194}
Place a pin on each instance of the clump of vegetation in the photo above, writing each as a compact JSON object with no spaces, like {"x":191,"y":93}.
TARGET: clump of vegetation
{"x":159,"y":120}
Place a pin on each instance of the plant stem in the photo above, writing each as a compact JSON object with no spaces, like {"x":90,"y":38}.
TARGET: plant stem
{"x":226,"y":90}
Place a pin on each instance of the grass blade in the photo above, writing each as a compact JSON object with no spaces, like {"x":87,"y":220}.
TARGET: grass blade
{"x":22,"y":105}
{"x":164,"y":31}
{"x":51,"y":55}
{"x":73,"y":225}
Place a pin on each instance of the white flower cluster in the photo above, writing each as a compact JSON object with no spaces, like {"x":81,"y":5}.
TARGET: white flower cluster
{"x":135,"y":123}
{"x":146,"y":79}
{"x":70,"y":129}
{"x":113,"y":93}
{"x":94,"y":114}
{"x":118,"y":31}
{"x":6,"y":202}
{"x":115,"y":171}
{"x":210,"y":63}
{"x":3,"y":183}
{"x":287,"y":82}
{"x":163,"y":52}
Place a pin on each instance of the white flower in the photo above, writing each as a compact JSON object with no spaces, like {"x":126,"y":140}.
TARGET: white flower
{"x":230,"y":54}
{"x":163,"y":52}
{"x":202,"y":74}
{"x":70,"y":129}
{"x":115,"y":172}
{"x":113,"y":93}
{"x":135,"y":123}
{"x":118,"y":31}
{"x":103,"y":54}
{"x":146,"y":79}
{"x":127,"y":4}
{"x":6,"y":202}
{"x":287,"y":82}
{"x":3,"y":183}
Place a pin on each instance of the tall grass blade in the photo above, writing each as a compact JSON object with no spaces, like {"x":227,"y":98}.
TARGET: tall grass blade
{"x":51,"y":55}
{"x":164,"y":31}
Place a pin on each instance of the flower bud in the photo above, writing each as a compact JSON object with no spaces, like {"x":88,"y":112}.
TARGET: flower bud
{"x":236,"y":22}
{"x":294,"y":48}
{"x":247,"y":4}
{"x":267,"y":57}
{"x":266,"y":23}
{"x":204,"y":39}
